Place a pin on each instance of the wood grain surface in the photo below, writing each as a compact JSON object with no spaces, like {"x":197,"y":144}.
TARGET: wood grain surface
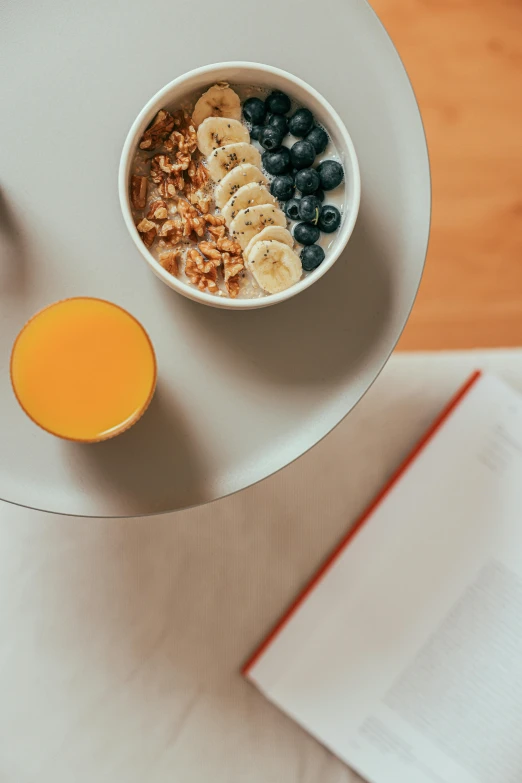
{"x":464,"y":58}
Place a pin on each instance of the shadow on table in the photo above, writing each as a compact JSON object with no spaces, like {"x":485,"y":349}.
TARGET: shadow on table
{"x":153,"y":467}
{"x":13,"y":260}
{"x":320,"y":336}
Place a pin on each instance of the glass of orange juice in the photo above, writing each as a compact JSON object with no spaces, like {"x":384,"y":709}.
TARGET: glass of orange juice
{"x":83,"y":369}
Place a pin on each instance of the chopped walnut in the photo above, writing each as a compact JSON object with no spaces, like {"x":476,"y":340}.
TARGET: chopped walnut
{"x":194,"y":188}
{"x":232,"y":265}
{"x":170,"y":261}
{"x":157,"y":211}
{"x":164,"y":174}
{"x":210,"y":251}
{"x":198,"y":174}
{"x":157,"y":131}
{"x":218,"y":232}
{"x":232,"y":259}
{"x":172,"y":230}
{"x":192,"y":221}
{"x":165,"y":164}
{"x":201,"y":273}
{"x":229,"y":251}
{"x":138,"y":191}
{"x":214,"y":220}
{"x":184,"y":138}
{"x":147,"y":230}
{"x":227,"y":245}
{"x":232,"y":286}
{"x":198,"y":198}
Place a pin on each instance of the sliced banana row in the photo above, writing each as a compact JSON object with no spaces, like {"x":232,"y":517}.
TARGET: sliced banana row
{"x":241,"y":192}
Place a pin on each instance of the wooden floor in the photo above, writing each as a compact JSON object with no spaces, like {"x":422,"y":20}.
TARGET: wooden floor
{"x":464,"y":58}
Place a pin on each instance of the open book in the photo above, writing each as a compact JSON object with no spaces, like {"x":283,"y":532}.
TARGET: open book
{"x":404,"y":655}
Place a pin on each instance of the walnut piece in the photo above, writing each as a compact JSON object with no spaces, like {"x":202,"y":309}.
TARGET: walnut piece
{"x":192,"y":220}
{"x":170,"y":261}
{"x":227,"y":245}
{"x":214,"y":220}
{"x":148,"y":231}
{"x":157,"y":131}
{"x":232,"y":286}
{"x":227,"y":252}
{"x":166,"y":176}
{"x":218,"y":232}
{"x":195,"y":186}
{"x":157,"y":211}
{"x":199,"y":199}
{"x":231,"y":257}
{"x":138,"y":191}
{"x":210,"y":251}
{"x":198,"y":174}
{"x":183,"y":138}
{"x":172,"y":230}
{"x":201,"y":273}
{"x":232,"y":265}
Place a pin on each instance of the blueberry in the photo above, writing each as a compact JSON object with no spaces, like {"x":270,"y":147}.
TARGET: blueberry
{"x":329,"y":219}
{"x":302,"y":154}
{"x":306,"y":234}
{"x":319,"y":138}
{"x":331,"y":174}
{"x":311,"y":257}
{"x":279,"y":122}
{"x":277,"y":162}
{"x":301,"y":122}
{"x":255,"y":133}
{"x":278,"y":103}
{"x":283,"y":187}
{"x":307,"y":181}
{"x":319,"y":194}
{"x":310,"y":209}
{"x":292,"y":209}
{"x":270,"y":138}
{"x":254,"y":110}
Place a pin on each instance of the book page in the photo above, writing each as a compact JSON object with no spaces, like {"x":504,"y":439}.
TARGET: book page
{"x":405,"y":660}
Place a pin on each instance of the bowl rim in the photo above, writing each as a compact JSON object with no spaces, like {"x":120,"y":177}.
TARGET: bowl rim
{"x":153,"y":105}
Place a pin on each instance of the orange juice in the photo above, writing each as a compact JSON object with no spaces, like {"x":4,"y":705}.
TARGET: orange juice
{"x":83,"y":369}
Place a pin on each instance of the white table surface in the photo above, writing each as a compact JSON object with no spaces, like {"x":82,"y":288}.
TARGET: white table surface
{"x":121,"y":640}
{"x":239,"y":395}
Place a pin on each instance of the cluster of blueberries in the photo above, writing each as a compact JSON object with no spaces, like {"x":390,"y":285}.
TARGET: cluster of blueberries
{"x":292,"y":169}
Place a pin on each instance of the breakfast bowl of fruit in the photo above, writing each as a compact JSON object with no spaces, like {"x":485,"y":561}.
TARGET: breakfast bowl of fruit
{"x":239,"y":184}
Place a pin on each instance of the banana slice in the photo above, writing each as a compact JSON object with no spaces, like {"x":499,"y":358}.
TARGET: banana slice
{"x":278,"y":233}
{"x":218,"y":101}
{"x":216,"y":132}
{"x":252,"y":220}
{"x":274,"y":265}
{"x":234,"y":180}
{"x":224,"y":159}
{"x":247,"y":196}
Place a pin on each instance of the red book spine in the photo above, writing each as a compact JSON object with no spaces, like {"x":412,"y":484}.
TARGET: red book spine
{"x":437,"y":424}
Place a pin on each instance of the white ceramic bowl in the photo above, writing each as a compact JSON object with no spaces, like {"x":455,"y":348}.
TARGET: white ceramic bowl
{"x":269,"y":77}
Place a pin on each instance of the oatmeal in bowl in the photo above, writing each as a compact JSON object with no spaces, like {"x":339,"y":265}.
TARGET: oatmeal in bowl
{"x":240,"y":185}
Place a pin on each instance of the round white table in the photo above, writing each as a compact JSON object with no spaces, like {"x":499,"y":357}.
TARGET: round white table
{"x":242,"y":394}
